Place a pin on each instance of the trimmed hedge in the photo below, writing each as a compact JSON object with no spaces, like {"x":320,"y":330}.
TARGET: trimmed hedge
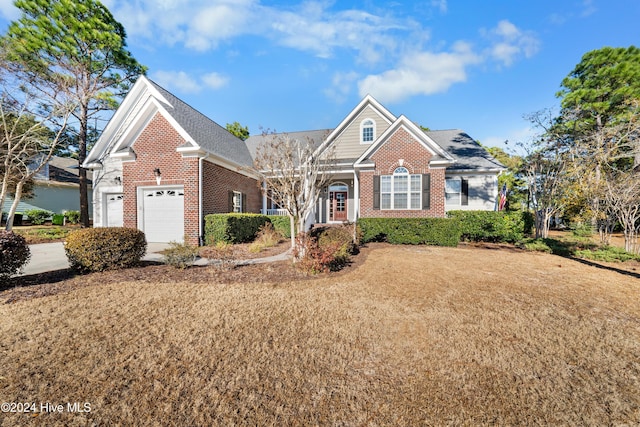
{"x":232,"y":227}
{"x":73,"y":216}
{"x":411,"y":231}
{"x":281,"y":224}
{"x":493,"y":226}
{"x":38,"y":216}
{"x":105,"y":248}
{"x":57,"y":219}
{"x":14,"y":253}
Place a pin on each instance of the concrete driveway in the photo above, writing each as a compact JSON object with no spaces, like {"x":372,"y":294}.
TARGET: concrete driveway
{"x":50,"y":257}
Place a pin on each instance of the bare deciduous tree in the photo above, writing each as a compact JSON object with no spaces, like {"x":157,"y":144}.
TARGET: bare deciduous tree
{"x":294,"y":173}
{"x":27,"y":143}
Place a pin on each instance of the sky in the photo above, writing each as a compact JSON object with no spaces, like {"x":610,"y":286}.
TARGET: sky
{"x":287,"y":66}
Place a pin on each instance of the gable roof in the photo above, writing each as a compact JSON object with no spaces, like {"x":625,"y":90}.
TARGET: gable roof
{"x":143,"y":101}
{"x":206,"y":133}
{"x":468,"y":154}
{"x":316,"y":137}
{"x":440,"y":154}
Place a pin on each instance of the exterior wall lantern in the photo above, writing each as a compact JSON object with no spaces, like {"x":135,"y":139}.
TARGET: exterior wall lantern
{"x":158,"y":175}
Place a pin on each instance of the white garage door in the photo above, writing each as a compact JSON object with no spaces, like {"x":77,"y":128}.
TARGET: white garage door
{"x":114,"y":210}
{"x":163,"y":214}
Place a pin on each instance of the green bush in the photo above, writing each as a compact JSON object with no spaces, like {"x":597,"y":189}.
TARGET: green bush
{"x":38,"y":216}
{"x":492,"y":226}
{"x":412,"y":231}
{"x":73,"y":216}
{"x":335,"y":245}
{"x":281,"y":224}
{"x":180,"y":255}
{"x":232,"y":227}
{"x":57,"y":219}
{"x":105,"y":248}
{"x":14,"y":253}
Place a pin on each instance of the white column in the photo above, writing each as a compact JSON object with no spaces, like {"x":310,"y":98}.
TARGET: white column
{"x":264,"y":197}
{"x":356,"y":196}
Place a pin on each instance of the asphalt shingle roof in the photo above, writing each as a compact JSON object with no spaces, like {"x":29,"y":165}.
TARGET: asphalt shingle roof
{"x":468,"y":154}
{"x":206,"y":133}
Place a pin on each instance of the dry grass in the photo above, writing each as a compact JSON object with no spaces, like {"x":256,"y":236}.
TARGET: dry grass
{"x":414,"y":336}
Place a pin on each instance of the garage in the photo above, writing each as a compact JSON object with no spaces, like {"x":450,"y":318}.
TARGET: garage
{"x":163,"y":214}
{"x":114,"y":210}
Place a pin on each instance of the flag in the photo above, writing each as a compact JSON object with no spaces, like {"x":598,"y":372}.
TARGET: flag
{"x":503,"y":197}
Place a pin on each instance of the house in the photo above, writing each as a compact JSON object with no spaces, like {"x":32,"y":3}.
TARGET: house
{"x":161,"y":166}
{"x":55,"y":188}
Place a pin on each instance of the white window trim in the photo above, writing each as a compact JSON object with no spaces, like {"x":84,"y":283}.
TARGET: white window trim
{"x":362,"y":126}
{"x":237,"y":202}
{"x":459,"y":193}
{"x":408,"y":193}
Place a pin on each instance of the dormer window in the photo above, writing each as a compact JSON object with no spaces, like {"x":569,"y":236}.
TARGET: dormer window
{"x":367,"y":131}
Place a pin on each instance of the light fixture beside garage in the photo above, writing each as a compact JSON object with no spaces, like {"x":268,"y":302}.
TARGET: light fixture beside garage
{"x":117,"y":180}
{"x":158,"y":175}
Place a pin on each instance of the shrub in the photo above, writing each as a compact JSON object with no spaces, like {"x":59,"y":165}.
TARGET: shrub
{"x":491,"y":226}
{"x":325,"y":248}
{"x":57,"y":219}
{"x":105,"y":248}
{"x":267,"y":237}
{"x":581,"y":229}
{"x":14,"y":253}
{"x":413,"y":231}
{"x":233,"y":227}
{"x":38,"y":216}
{"x":608,"y":254}
{"x":282,"y":225}
{"x":180,"y":255}
{"x":73,"y":216}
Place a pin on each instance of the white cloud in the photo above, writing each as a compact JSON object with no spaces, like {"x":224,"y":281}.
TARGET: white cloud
{"x":421,"y":73}
{"x":508,"y":43}
{"x":341,"y":86}
{"x":178,"y":80}
{"x":215,"y":80}
{"x":310,"y":26}
{"x":8,"y":10}
{"x":440,"y":4}
{"x":182,"y":82}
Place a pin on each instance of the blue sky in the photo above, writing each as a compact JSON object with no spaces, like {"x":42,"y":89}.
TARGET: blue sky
{"x":289,"y":66}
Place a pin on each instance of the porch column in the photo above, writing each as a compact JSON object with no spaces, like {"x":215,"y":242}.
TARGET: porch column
{"x":264,"y":197}
{"x":356,"y":196}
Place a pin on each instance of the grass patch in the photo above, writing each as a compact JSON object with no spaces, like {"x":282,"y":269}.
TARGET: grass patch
{"x":415,"y":336}
{"x":580,"y":246}
{"x":43,"y":234}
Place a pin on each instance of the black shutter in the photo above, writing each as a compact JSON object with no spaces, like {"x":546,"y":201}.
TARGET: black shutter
{"x":426,"y":191}
{"x":230,"y":194}
{"x":244,"y":202}
{"x":464,"y":200}
{"x":376,"y":192}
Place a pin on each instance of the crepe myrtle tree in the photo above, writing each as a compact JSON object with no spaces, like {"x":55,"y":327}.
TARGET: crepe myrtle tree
{"x":76,"y":48}
{"x":293,"y":172}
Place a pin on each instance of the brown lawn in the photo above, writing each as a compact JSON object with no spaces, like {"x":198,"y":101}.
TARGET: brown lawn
{"x":408,"y":335}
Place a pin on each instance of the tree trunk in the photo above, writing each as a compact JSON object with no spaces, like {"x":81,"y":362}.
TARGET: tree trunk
{"x":82,"y":172}
{"x":14,"y":206}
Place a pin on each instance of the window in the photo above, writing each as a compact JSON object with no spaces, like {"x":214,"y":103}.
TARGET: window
{"x":368,"y":131}
{"x":456,"y":191}
{"x":400,"y":190}
{"x":237,"y":202}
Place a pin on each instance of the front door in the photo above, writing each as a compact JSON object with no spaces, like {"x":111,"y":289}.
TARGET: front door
{"x":338,"y":206}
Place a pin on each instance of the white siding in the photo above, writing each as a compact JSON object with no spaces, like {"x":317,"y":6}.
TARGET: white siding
{"x":103,"y":184}
{"x":483,"y":191}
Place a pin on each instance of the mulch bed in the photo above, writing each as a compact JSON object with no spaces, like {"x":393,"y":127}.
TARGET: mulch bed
{"x":55,"y":282}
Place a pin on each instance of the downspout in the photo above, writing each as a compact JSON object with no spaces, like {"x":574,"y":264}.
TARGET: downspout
{"x":200,"y":216}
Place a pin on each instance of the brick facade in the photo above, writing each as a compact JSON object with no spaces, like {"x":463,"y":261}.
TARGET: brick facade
{"x":402,"y":146}
{"x":218,"y":181}
{"x":156,"y":148}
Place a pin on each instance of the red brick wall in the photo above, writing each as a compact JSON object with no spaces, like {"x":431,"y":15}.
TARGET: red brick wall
{"x":156,"y":148}
{"x":401,"y":145}
{"x":218,"y":181}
